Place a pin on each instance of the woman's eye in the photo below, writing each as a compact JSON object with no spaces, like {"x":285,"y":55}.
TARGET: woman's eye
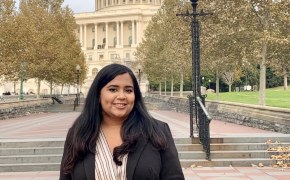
{"x":112,"y":89}
{"x":129,"y":90}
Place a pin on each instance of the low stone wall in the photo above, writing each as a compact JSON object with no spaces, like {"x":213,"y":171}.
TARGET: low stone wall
{"x":262,"y":117}
{"x":161,"y":102}
{"x":21,"y":108}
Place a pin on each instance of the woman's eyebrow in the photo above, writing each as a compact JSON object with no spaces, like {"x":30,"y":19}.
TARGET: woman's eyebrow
{"x":128,"y":86}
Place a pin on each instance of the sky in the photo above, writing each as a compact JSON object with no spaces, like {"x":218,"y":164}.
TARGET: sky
{"x":78,"y":6}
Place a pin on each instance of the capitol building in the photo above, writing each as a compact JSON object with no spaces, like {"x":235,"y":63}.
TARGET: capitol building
{"x":108,"y":35}
{"x":112,"y":33}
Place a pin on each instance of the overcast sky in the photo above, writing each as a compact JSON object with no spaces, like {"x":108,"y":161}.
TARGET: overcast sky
{"x":81,"y":5}
{"x":78,"y":6}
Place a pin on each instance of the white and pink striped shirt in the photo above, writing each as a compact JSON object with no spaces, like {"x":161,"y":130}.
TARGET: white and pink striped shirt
{"x":105,"y":167}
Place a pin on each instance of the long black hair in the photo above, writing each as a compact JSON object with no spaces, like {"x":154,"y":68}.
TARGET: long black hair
{"x":82,"y":136}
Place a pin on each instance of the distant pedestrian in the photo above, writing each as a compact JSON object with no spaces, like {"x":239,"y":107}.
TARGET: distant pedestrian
{"x":116,"y":138}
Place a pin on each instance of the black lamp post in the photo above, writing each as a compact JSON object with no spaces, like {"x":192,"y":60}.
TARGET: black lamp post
{"x":209,"y":81}
{"x":197,"y":101}
{"x":78,"y":68}
{"x":139,"y":73}
{"x":22,"y":77}
{"x":195,"y":54}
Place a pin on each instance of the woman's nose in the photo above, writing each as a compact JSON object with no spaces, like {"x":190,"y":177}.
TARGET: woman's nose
{"x":122,"y":95}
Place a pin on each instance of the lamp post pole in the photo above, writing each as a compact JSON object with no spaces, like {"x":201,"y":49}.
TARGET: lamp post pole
{"x":139,"y":73}
{"x":209,"y":81}
{"x":78,"y":68}
{"x":139,"y":76}
{"x":22,"y":75}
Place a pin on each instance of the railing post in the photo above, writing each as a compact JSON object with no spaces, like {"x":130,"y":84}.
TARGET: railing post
{"x":204,"y":131}
{"x":190,"y":100}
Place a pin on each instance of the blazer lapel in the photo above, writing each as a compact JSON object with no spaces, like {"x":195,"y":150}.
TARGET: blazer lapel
{"x":89,"y":166}
{"x":133,"y":158}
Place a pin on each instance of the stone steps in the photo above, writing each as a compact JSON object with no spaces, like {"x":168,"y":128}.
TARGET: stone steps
{"x":230,"y":151}
{"x":26,"y":167}
{"x":46,"y":154}
{"x":228,"y":146}
{"x":239,"y":162}
{"x":30,"y":151}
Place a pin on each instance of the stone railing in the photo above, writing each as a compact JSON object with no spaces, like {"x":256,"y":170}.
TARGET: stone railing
{"x":20,"y":108}
{"x":262,"y":117}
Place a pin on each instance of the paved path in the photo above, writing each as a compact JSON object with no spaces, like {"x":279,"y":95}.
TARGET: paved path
{"x":204,"y":173}
{"x":55,"y":125}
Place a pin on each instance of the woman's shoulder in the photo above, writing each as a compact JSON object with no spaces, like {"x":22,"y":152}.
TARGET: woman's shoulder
{"x":161,"y":124}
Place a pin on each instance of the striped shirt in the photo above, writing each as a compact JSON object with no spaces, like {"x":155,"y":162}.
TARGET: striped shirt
{"x":106,"y":169}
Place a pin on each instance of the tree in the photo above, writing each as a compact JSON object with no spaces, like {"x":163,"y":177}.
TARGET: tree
{"x":265,"y":29}
{"x":250,"y":28}
{"x":52,"y":46}
{"x":165,"y":50}
{"x":8,"y":40}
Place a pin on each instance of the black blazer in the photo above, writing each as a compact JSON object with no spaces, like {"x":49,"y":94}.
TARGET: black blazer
{"x":145,"y":163}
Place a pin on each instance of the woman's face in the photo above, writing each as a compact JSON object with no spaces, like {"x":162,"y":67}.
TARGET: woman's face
{"x":117,"y":98}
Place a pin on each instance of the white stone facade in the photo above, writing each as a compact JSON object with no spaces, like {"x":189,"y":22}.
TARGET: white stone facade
{"x":108,"y":35}
{"x":112,"y":33}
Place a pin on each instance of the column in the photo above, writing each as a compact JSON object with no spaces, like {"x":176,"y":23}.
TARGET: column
{"x":85,"y":36}
{"x":81,"y":35}
{"x":107,"y":35}
{"x":138,"y":31}
{"x":122,"y":34}
{"x":96,"y":36}
{"x":118,"y":33}
{"x":133,"y":33}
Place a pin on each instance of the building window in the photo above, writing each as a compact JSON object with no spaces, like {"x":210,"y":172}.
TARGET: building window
{"x":127,"y":55}
{"x":115,"y":41}
{"x":130,"y":40}
{"x":93,"y":42}
{"x":101,"y":56}
{"x":94,"y":72}
{"x":104,"y":28}
{"x":113,"y":57}
{"x":104,"y":40}
{"x":90,"y":57}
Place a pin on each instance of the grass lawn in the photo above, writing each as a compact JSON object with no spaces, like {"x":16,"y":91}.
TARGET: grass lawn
{"x":275,"y":97}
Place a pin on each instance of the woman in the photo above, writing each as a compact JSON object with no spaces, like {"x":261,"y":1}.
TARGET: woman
{"x":115,"y":137}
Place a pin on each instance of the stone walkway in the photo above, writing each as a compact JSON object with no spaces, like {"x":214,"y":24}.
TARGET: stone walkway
{"x":55,"y":125}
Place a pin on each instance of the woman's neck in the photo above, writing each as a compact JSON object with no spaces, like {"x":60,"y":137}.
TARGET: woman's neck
{"x":112,"y":123}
